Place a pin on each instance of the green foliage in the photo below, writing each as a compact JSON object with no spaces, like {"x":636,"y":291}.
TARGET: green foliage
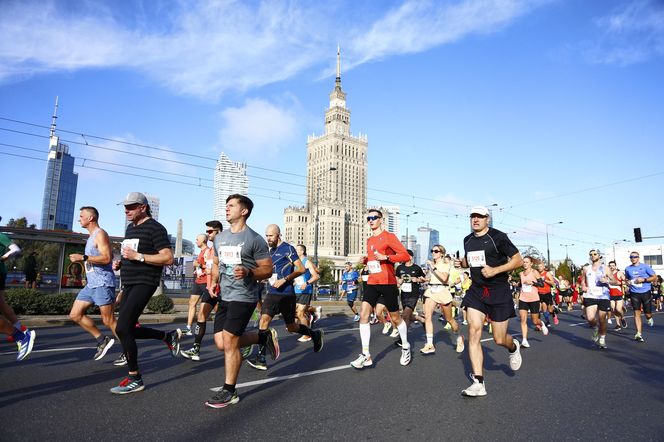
{"x":325,"y":270}
{"x":564,"y":271}
{"x":33,"y":302}
{"x":160,"y":304}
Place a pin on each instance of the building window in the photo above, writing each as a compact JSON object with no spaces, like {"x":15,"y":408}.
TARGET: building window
{"x":653,"y":260}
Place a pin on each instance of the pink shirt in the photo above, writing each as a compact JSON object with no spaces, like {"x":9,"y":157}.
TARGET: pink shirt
{"x":528,"y":290}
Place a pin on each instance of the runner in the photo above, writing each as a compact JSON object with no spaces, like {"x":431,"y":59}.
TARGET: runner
{"x":146,"y":249}
{"x":616,"y":296}
{"x":9,"y":323}
{"x":657,"y":293}
{"x":409,"y":276}
{"x":201,"y":279}
{"x":438,"y":293}
{"x":491,"y":256}
{"x":100,"y":287}
{"x":208,"y":302}
{"x":304,"y":289}
{"x":546,"y":298}
{"x":242,"y":258}
{"x":639,"y":277}
{"x":566,"y":293}
{"x":384,"y":250}
{"x":529,"y":300}
{"x":349,"y":277}
{"x":280,"y":297}
{"x":596,"y":300}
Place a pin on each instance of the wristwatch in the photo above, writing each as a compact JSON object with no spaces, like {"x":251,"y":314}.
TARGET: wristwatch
{"x":142,"y":258}
{"x":85,"y":258}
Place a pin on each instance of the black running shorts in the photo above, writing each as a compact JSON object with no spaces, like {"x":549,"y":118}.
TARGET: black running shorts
{"x":233,"y":316}
{"x":388,"y":292}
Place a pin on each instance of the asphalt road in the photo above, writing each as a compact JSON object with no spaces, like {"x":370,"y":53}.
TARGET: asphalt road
{"x":567,"y":389}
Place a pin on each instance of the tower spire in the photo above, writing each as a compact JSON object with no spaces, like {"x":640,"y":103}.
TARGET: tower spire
{"x":55,"y":116}
{"x":338,"y":64}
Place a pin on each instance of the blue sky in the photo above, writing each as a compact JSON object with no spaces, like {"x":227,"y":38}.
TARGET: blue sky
{"x":551,"y":109}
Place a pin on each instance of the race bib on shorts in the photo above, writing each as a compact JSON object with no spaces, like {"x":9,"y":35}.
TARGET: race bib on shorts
{"x":374,"y":267}
{"x":407,"y":287}
{"x":476,"y":258}
{"x":230,"y":255}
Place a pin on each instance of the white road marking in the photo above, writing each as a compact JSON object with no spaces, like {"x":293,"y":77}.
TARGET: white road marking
{"x":48,"y":350}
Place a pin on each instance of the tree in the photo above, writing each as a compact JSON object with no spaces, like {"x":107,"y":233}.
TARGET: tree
{"x":564,"y":270}
{"x":21,"y":223}
{"x":325,"y":270}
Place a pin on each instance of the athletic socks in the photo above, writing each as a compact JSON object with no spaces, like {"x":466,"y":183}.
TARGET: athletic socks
{"x":200,"y":327}
{"x":100,"y":339}
{"x":304,"y":330}
{"x":403,"y":334}
{"x":365,"y":336}
{"x":229,"y":387}
{"x":430,"y":338}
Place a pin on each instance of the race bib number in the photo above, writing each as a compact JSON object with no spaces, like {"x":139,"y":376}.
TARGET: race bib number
{"x":407,"y":287}
{"x":130,"y":244}
{"x":365,"y":278}
{"x":273,"y":279}
{"x":476,"y":258}
{"x":209,"y":263}
{"x":199,"y":272}
{"x":374,"y":267}
{"x":436,"y":288}
{"x":526,"y":288}
{"x":596,"y":292}
{"x":636,"y":286}
{"x":299,"y":281}
{"x":230,"y":255}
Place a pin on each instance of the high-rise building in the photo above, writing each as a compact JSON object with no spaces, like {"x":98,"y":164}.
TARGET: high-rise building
{"x":391,"y":214}
{"x":333,"y":221}
{"x":230,"y":177}
{"x":59,"y":201}
{"x":426,"y":239}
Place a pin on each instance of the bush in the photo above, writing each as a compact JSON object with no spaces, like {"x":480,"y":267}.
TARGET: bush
{"x":160,"y":304}
{"x":33,"y":302}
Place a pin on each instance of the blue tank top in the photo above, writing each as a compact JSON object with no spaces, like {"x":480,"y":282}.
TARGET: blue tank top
{"x":97,"y":275}
{"x":306,"y":276}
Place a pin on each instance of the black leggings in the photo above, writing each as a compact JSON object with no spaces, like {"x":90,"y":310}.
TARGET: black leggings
{"x":134,"y":300}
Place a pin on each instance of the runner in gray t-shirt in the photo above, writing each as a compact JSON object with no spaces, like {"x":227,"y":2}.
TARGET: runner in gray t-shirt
{"x":241,"y":258}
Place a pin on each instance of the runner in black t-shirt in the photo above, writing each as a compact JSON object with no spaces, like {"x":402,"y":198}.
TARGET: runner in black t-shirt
{"x":146,"y":249}
{"x":409,"y":276}
{"x":491,"y":256}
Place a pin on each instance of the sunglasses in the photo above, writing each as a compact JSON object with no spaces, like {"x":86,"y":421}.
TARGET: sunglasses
{"x":210,"y":231}
{"x":436,"y":251}
{"x":633,"y":256}
{"x":373,"y":218}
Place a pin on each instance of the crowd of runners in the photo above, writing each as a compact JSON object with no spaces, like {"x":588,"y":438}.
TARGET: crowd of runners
{"x":250,"y":279}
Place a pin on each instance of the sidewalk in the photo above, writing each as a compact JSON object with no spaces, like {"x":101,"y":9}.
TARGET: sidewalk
{"x":330,"y":308}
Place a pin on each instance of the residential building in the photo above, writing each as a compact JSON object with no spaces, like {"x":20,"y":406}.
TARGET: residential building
{"x":230,"y":177}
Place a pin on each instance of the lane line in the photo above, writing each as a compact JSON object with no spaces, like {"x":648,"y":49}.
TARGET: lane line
{"x":48,"y":350}
{"x":626,"y":317}
{"x":307,"y":373}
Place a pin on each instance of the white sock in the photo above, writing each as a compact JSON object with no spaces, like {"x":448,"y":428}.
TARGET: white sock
{"x":403,"y":334}
{"x":365,"y":336}
{"x":430,"y":339}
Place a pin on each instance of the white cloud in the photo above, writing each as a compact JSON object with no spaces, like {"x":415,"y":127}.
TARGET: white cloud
{"x":258,"y":127}
{"x":207,"y":48}
{"x":632,"y":33}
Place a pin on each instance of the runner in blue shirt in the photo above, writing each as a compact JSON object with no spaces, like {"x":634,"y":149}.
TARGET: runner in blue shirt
{"x":639,"y":278}
{"x":349,"y":279}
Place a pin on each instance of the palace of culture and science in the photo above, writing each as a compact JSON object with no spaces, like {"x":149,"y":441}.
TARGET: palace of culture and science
{"x":336,"y":188}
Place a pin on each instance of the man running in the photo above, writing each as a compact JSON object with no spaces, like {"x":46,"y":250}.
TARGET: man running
{"x":9,"y":323}
{"x":409,"y":276}
{"x":617,"y":296}
{"x":304,"y":289}
{"x":280,"y":297}
{"x":208,"y":302}
{"x":384,"y":250}
{"x":596,"y":300}
{"x":241,"y":259}
{"x":201,"y":277}
{"x":491,"y":256}
{"x":349,"y":279}
{"x":639,"y":277}
{"x":100,"y":287}
{"x":146,"y":249}
{"x":546,"y":298}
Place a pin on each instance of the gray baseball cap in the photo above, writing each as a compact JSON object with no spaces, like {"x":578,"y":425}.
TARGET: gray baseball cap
{"x":134,"y":198}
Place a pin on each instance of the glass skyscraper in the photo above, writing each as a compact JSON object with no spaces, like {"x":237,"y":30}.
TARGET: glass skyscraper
{"x":59,"y":202}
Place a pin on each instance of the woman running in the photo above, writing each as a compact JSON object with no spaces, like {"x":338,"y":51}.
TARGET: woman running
{"x":529,"y":300}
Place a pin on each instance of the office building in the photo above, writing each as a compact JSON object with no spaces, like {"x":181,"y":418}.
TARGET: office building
{"x":230,"y":177}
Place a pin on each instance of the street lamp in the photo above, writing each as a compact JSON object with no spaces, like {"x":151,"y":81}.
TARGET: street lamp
{"x":618,"y":241}
{"x":548,"y":254}
{"x":566,"y":246}
{"x":317,"y":221}
{"x":408,"y":216}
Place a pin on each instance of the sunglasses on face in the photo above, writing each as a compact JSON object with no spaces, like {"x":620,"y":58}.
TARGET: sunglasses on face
{"x":373,"y":218}
{"x":633,"y":256}
{"x":209,"y":231}
{"x":593,"y":254}
{"x":435,"y":251}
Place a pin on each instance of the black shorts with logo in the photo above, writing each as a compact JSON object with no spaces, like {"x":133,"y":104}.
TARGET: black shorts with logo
{"x":602,"y":304}
{"x":233,"y":317}
{"x":387,"y":294}
{"x":495,"y":302}
{"x":275,"y":304}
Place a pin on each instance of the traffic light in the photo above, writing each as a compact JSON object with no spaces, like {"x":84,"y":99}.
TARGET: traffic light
{"x":637,"y":234}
